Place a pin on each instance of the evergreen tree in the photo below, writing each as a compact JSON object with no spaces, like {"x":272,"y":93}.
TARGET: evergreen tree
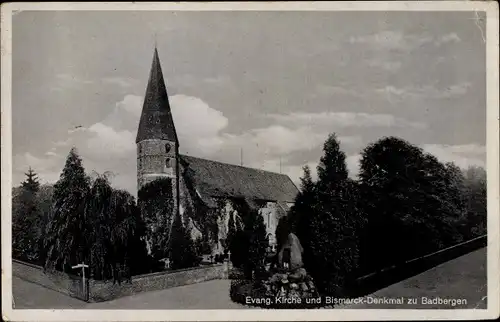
{"x":181,"y":246}
{"x":27,"y":220}
{"x":65,"y":242}
{"x":31,"y":183}
{"x":332,"y":168}
{"x":333,"y":224}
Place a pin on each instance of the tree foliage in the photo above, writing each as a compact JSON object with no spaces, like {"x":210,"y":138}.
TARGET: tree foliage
{"x":27,"y":221}
{"x":410,"y":194}
{"x":94,"y":223}
{"x":66,"y":235}
{"x":325,"y":220}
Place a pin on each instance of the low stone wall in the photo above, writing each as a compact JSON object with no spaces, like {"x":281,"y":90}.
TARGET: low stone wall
{"x":104,"y":291}
{"x":57,"y":281}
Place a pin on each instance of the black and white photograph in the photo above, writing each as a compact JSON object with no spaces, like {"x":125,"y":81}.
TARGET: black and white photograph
{"x":209,"y":159}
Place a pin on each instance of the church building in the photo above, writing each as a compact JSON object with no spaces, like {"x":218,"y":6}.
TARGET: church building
{"x":204,"y":191}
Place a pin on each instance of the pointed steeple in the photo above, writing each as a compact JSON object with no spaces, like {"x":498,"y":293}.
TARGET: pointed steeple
{"x":156,"y":119}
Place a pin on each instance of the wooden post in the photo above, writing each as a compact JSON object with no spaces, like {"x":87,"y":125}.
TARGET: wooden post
{"x":83,"y":266}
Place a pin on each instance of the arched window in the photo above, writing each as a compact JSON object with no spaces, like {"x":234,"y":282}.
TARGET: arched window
{"x":168,"y":163}
{"x":140,"y":148}
{"x":167,"y":148}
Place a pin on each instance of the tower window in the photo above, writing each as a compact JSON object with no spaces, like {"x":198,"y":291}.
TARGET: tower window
{"x":167,"y":148}
{"x":140,"y":148}
{"x":168,"y":163}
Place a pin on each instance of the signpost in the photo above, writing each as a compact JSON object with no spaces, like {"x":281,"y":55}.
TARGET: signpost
{"x":82,"y":266}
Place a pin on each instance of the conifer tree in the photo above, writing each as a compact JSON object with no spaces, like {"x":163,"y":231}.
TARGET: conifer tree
{"x":66,"y":233}
{"x":31,"y":183}
{"x":332,"y":168}
{"x":333,"y":250}
{"x":27,"y":220}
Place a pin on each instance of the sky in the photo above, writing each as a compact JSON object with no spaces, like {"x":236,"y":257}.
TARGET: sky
{"x":270,"y":84}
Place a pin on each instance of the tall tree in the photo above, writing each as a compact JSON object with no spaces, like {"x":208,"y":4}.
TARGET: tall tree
{"x":333,"y":224}
{"x":332,"y":168}
{"x":65,"y":242}
{"x":31,"y":183}
{"x":27,"y":220}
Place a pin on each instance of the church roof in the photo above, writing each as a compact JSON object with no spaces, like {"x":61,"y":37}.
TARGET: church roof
{"x":217,"y":179}
{"x":156,"y":119}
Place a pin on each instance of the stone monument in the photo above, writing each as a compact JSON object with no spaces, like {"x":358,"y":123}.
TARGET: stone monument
{"x":290,"y":255}
{"x":290,"y":278}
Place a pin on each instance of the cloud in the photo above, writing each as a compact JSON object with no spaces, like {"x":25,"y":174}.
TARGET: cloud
{"x":322,"y":89}
{"x":124,"y":82}
{"x":385,"y":65}
{"x":448,"y":38}
{"x":71,"y":79}
{"x":397,"y":40}
{"x":394,"y":40}
{"x":65,"y":81}
{"x":462,"y":155}
{"x":414,"y":92}
{"x":345,"y":119}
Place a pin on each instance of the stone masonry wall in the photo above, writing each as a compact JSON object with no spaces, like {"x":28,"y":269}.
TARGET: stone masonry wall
{"x":57,"y":281}
{"x":105,"y":290}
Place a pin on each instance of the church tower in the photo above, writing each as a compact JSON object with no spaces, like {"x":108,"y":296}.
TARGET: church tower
{"x":157,"y":143}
